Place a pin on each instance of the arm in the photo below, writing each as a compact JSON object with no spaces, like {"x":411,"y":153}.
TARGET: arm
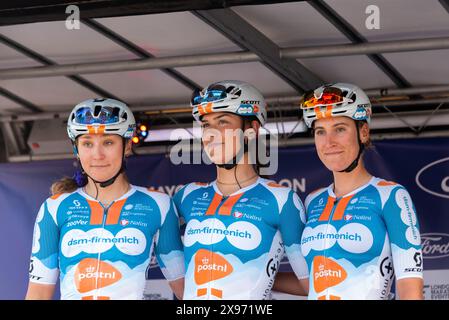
{"x":37,"y":291}
{"x":403,"y":230}
{"x":410,"y":289}
{"x":287,"y":282}
{"x":43,"y":272}
{"x":169,"y":251}
{"x":291,"y":226}
{"x":177,"y":286}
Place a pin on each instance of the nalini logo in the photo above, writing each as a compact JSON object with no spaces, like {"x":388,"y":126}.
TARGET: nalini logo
{"x":124,"y":222}
{"x":435,"y":245}
{"x":348,"y":217}
{"x":238,"y":214}
{"x":430,"y":179}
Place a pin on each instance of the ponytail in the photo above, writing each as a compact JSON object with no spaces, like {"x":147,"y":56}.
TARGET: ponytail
{"x":69,"y":185}
{"x":65,"y":185}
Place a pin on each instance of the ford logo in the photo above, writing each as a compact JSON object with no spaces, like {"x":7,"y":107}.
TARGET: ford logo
{"x":440,"y":188}
{"x":435,"y":245}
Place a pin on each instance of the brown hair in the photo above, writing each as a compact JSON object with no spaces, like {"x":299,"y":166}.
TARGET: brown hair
{"x":69,"y":185}
{"x":64,"y":185}
{"x":368,"y":143}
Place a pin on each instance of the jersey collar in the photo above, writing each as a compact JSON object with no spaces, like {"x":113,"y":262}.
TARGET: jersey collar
{"x":243,"y":190}
{"x":131,"y":190}
{"x":331,"y":193}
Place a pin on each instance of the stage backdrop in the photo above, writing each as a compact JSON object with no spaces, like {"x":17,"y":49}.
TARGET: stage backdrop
{"x":421,"y":165}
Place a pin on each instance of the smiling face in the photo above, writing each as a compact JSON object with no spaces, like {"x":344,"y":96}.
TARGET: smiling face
{"x":221,"y":133}
{"x":101,"y":155}
{"x":336,"y":141}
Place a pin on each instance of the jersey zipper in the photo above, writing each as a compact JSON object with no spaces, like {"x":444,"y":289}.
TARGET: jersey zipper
{"x":326,"y":241}
{"x":222,"y":201}
{"x":105,"y":214}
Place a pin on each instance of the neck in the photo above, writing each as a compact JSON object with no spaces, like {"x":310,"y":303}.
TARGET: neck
{"x":110,"y":193}
{"x":243,"y":173}
{"x":346,"y":182}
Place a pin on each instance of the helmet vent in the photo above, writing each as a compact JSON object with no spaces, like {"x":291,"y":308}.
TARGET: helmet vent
{"x":97,"y":110}
{"x":229,"y":89}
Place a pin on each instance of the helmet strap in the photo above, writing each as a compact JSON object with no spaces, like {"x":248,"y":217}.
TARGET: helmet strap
{"x":354,"y":163}
{"x":236,"y":159}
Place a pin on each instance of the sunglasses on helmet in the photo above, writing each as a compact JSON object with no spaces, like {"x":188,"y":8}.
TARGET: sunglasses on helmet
{"x":100,"y":115}
{"x":210,"y":94}
{"x":328,"y":96}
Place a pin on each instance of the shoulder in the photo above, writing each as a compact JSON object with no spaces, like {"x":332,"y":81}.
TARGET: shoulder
{"x":282,"y":194}
{"x":387,"y":187}
{"x":189,"y":188}
{"x":152,"y":193}
{"x":313,"y":195}
{"x":391,"y":191}
{"x":275,"y":188}
{"x":56,"y":201}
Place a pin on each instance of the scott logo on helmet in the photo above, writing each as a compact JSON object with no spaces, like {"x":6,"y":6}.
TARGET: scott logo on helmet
{"x":250,"y":102}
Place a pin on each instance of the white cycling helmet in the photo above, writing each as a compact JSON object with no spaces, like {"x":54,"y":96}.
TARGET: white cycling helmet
{"x":232,"y":96}
{"x":101,"y":116}
{"x":336,"y":100}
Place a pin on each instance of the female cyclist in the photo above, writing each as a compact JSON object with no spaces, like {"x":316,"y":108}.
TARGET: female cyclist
{"x":362,"y":231}
{"x":238,"y":226}
{"x":97,"y":231}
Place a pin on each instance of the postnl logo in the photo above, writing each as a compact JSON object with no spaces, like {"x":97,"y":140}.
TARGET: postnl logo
{"x":93,"y":274}
{"x":431,"y":178}
{"x":327,"y":273}
{"x":210,"y":266}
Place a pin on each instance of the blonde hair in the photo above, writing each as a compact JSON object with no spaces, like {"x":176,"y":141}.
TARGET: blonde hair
{"x":64,"y":185}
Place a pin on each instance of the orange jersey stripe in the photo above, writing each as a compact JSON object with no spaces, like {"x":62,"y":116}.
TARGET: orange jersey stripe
{"x":214,"y":205}
{"x":114,"y":212}
{"x":226,"y":208}
{"x":96,"y":212}
{"x":341,"y":207}
{"x":327,"y":209}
